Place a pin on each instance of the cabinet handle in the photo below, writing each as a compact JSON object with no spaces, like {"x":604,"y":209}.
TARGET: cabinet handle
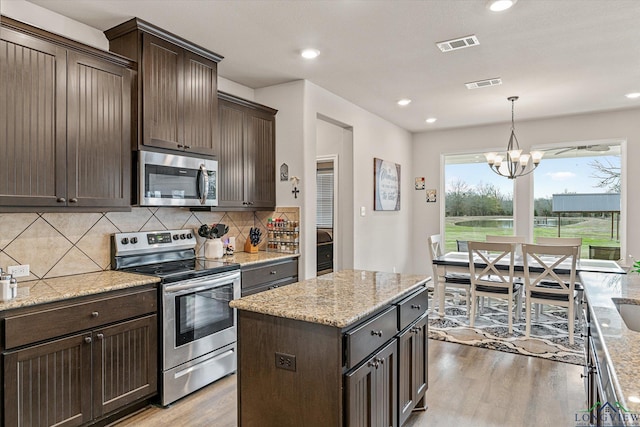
{"x":415,"y":329}
{"x":273,"y":272}
{"x":378,"y":333}
{"x":73,"y":200}
{"x":95,"y":314}
{"x":87,"y":340}
{"x":180,"y":145}
{"x":416,"y":306}
{"x":374,"y":363}
{"x":186,"y":147}
{"x":61,"y":200}
{"x":100,"y":336}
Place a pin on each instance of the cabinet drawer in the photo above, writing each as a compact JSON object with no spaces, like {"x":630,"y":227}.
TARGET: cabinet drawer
{"x":266,"y":273}
{"x":412,"y":307}
{"x":269,"y":286}
{"x":54,"y":322}
{"x":366,"y":338}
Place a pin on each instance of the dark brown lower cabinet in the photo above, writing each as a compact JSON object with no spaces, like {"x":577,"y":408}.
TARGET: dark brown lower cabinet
{"x":70,"y":381}
{"x":371,"y":390}
{"x":412,"y":354}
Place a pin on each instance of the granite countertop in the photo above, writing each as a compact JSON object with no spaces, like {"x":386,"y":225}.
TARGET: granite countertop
{"x":246,"y":258}
{"x":61,"y":288}
{"x":622,"y":345}
{"x":337,"y":299}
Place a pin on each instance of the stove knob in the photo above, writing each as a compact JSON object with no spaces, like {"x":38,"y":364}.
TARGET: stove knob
{"x":125,"y":240}
{"x":175,"y":237}
{"x":182,"y":236}
{"x":134,"y":240}
{"x":189,"y":236}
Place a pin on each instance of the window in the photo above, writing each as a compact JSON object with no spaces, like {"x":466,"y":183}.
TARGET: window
{"x":324,"y":206}
{"x":577,"y":194}
{"x":477,"y":201}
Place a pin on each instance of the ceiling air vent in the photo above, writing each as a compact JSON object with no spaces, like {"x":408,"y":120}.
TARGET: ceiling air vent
{"x":484,"y":83}
{"x":455,"y":44}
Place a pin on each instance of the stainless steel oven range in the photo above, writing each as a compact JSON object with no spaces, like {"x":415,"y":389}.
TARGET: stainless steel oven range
{"x":197,"y":326}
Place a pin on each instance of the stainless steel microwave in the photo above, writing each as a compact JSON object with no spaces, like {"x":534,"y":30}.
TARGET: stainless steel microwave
{"x":176,"y":180}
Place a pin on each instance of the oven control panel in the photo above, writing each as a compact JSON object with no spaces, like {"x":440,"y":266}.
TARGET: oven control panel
{"x":152,"y":241}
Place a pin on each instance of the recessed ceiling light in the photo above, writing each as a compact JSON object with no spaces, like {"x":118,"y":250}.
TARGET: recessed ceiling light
{"x":500,"y":5}
{"x":431,"y":120}
{"x":633,"y":95}
{"x":310,"y":53}
{"x":404,"y":102}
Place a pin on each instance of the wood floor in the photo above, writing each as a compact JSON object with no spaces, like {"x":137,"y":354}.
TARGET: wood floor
{"x":468,"y":386}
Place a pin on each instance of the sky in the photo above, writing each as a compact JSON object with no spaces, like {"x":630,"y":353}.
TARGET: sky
{"x":553,"y":176}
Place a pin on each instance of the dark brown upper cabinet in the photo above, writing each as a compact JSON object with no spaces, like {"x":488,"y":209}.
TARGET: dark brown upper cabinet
{"x":65,"y":123}
{"x":177,"y":88}
{"x":246,"y":158}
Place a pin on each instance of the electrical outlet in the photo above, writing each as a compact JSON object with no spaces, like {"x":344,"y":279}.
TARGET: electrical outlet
{"x":18,"y":270}
{"x":286,"y":361}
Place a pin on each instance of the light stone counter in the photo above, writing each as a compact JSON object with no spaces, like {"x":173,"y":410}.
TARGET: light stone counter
{"x":337,"y":299}
{"x":246,"y":258}
{"x":61,"y":288}
{"x":621,"y":344}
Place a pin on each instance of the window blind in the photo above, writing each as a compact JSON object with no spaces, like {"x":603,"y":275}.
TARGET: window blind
{"x":324,"y":207}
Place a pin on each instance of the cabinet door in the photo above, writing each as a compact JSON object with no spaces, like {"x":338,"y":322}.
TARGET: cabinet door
{"x":125,"y":364}
{"x":412,"y":381}
{"x":49,"y":384}
{"x":162,"y":93}
{"x":260,"y":152}
{"x":200,"y":105}
{"x":32,"y":121}
{"x":371,"y":390}
{"x":99,"y":132}
{"x":231,"y":155}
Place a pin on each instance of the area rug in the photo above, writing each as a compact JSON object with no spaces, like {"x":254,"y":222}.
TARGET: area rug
{"x":549,"y":338}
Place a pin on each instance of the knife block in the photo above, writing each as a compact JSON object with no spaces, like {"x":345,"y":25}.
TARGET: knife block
{"x":248,"y":247}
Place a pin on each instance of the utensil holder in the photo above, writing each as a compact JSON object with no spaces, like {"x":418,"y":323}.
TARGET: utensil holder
{"x":213,"y":248}
{"x":248,"y":247}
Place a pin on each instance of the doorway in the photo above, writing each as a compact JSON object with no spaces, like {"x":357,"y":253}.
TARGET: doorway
{"x":326,"y":212}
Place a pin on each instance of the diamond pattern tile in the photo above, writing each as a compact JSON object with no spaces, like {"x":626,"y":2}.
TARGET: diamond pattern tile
{"x":41,"y":246}
{"x":96,"y":244}
{"x":72,"y":226}
{"x":12,"y":224}
{"x":60,"y":244}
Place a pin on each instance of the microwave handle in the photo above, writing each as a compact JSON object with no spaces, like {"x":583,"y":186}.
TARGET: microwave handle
{"x":203,"y":189}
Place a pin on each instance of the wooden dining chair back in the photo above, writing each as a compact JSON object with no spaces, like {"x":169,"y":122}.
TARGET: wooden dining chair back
{"x":544,"y":285}
{"x":518,"y":240}
{"x":491,"y":268}
{"x":561,"y":241}
{"x":441,"y":279}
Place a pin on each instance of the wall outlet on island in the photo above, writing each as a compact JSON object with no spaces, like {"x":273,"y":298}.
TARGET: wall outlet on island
{"x":18,"y":270}
{"x":286,"y":361}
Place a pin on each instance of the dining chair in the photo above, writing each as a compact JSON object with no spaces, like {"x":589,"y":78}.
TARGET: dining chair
{"x":458,"y":281}
{"x":489,"y":278}
{"x":562,"y":241}
{"x":462,"y":246}
{"x":518,"y":240}
{"x":544,"y":286}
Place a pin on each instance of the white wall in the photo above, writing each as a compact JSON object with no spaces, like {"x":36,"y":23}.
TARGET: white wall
{"x":381,"y":239}
{"x":40,"y":17}
{"x":430,"y":146}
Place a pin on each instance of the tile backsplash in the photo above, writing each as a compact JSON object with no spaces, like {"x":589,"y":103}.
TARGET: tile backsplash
{"x":60,"y":244}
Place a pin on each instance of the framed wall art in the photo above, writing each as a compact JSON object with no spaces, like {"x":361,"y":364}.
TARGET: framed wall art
{"x":420,"y":183}
{"x":386,"y":185}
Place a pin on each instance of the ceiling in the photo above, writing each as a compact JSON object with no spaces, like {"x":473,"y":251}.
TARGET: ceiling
{"x":560,"y":56}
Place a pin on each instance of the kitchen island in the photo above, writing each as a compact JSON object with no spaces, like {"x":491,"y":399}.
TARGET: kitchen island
{"x":346,"y":348}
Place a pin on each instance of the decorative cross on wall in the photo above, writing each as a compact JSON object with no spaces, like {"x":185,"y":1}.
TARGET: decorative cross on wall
{"x":294,"y":181}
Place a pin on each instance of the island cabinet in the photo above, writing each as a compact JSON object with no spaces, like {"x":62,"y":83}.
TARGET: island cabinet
{"x":247,"y":155}
{"x":177,"y":88}
{"x":82,"y":361}
{"x":66,"y":123}
{"x":268,"y":275}
{"x":346,"y":349}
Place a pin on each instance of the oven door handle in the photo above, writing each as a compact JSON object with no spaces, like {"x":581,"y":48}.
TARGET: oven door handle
{"x":203,"y":184}
{"x":200,"y":284}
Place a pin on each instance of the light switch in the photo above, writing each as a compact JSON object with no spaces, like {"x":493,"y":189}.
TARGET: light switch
{"x":363,"y":211}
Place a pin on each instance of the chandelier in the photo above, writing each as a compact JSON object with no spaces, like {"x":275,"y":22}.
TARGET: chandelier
{"x":514,"y":164}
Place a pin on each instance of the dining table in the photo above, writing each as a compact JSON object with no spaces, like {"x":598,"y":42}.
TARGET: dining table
{"x":458,"y":262}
